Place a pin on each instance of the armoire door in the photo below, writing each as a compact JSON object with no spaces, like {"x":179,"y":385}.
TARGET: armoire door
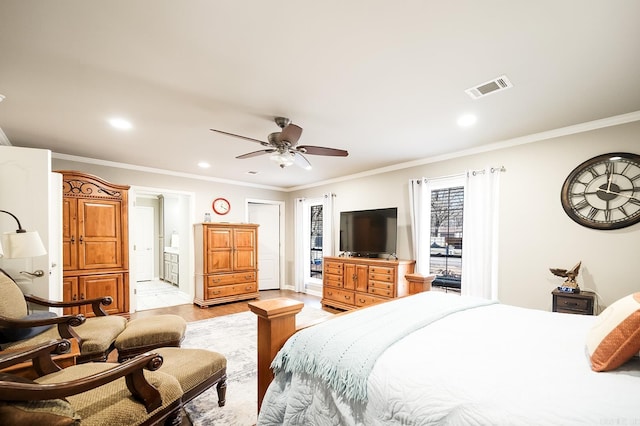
{"x":219,"y":248}
{"x":99,"y":234}
{"x":244,"y":249}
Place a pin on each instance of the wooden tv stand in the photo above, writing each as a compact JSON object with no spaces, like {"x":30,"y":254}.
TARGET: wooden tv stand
{"x":354,"y":282}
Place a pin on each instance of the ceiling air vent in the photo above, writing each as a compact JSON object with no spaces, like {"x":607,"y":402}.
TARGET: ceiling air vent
{"x":489,"y":87}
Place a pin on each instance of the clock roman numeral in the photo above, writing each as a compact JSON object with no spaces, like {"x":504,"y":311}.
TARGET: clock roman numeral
{"x":607,"y":215}
{"x":592,"y":213}
{"x":623,"y":211}
{"x":593,"y":172}
{"x":634,"y":201}
{"x":581,"y":205}
{"x":610,"y":168}
{"x":636,"y":177}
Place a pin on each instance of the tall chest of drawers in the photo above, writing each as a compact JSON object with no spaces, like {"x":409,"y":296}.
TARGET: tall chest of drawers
{"x":226,"y":267}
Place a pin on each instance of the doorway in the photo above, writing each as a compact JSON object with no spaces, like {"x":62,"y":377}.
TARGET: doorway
{"x":161,"y":250}
{"x":270,"y":216}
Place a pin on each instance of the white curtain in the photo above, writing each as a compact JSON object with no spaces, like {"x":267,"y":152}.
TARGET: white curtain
{"x":420,"y":210}
{"x":327,"y":225}
{"x":299,"y":236}
{"x":480,"y":230}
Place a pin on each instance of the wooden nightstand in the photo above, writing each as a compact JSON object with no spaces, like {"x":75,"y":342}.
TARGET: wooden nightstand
{"x":574,"y":303}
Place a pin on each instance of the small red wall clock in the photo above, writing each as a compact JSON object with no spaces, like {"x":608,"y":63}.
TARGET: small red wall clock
{"x":221,"y":206}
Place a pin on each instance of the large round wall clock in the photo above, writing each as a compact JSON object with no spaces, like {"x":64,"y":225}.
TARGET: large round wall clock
{"x":604,"y":191}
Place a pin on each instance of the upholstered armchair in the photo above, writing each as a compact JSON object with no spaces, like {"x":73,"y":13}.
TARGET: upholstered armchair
{"x":20,"y":328}
{"x":108,"y":393}
{"x":97,"y":336}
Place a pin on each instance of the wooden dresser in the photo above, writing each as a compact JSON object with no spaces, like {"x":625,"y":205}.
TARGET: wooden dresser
{"x":353,"y":282}
{"x":95,"y":246}
{"x":226,"y":259}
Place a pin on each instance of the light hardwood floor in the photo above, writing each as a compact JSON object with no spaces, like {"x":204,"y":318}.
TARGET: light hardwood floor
{"x":192,"y":312}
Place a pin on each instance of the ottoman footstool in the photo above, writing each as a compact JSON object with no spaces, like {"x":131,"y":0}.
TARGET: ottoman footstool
{"x":148,"y":333}
{"x":196,"y":370}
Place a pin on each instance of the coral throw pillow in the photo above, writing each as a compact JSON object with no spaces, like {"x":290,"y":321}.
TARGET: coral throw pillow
{"x":615,"y":336}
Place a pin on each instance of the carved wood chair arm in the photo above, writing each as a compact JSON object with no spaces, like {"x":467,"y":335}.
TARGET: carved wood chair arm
{"x":37,"y":354}
{"x":71,"y":320}
{"x":96,"y":303}
{"x":65,"y":324}
{"x":131,"y":369}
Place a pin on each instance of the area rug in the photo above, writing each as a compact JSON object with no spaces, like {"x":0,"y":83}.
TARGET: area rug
{"x":234,"y":336}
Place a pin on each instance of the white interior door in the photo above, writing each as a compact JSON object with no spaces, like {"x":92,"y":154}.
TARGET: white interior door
{"x":144,"y":243}
{"x":268,"y":217}
{"x":27,"y":190}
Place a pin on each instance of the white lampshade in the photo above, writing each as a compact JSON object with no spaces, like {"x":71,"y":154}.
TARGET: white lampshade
{"x":22,"y":244}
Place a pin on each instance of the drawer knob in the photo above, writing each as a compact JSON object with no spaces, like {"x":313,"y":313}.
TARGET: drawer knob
{"x":570,"y":303}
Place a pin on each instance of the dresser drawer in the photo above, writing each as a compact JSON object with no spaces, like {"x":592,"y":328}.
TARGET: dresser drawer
{"x":366,"y":300}
{"x":564,"y":304}
{"x":334,"y":268}
{"x":338,"y":295}
{"x":381,"y":291}
{"x":226,"y":279}
{"x":333,"y":280}
{"x":380,"y":273}
{"x":231,"y":290}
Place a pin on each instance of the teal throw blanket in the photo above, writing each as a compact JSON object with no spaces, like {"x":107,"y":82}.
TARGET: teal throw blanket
{"x":342,"y":351}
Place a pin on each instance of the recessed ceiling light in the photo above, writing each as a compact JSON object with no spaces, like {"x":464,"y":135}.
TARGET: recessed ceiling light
{"x":2,"y":97}
{"x":467,"y":120}
{"x":120,"y":123}
{"x":204,"y":165}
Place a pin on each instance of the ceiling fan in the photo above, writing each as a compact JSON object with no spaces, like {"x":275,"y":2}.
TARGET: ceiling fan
{"x":283,"y":146}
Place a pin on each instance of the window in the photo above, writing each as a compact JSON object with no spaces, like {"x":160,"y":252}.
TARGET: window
{"x":447,"y":208}
{"x":315,"y":239}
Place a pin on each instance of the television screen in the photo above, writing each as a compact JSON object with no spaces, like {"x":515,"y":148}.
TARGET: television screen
{"x":369,"y":233}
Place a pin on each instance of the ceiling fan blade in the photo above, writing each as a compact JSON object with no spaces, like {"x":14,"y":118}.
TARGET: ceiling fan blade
{"x":255,"y":153}
{"x":241,"y":137}
{"x":291,"y":133}
{"x":321,"y":150}
{"x":301,"y":161}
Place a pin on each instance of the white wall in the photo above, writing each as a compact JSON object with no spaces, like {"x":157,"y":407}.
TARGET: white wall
{"x":535,"y":233}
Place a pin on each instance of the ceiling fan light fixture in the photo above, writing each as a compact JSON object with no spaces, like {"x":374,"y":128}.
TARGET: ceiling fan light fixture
{"x":284,"y":159}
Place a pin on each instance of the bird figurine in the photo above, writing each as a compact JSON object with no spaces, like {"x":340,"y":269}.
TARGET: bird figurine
{"x":570,"y":285}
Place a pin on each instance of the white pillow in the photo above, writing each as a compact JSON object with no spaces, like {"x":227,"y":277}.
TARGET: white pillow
{"x":615,"y":336}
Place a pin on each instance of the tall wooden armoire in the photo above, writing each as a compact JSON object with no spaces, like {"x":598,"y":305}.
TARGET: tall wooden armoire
{"x":94,"y":241}
{"x":226,"y":260}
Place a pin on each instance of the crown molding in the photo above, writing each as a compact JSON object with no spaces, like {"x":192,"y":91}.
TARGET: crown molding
{"x":158,"y":171}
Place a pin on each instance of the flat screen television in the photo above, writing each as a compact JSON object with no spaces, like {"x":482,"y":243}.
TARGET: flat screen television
{"x":369,"y":233}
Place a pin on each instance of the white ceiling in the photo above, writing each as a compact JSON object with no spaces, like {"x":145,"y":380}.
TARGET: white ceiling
{"x":384,"y":80}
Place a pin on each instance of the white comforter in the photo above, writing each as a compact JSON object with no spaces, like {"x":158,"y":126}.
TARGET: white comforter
{"x":492,"y":365}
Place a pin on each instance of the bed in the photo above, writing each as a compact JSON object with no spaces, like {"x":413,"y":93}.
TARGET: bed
{"x":455,"y":360}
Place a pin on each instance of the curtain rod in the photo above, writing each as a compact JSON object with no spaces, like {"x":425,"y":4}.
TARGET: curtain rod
{"x":491,"y":170}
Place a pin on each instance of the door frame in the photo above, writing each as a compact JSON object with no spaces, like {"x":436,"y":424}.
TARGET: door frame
{"x":281,"y":263}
